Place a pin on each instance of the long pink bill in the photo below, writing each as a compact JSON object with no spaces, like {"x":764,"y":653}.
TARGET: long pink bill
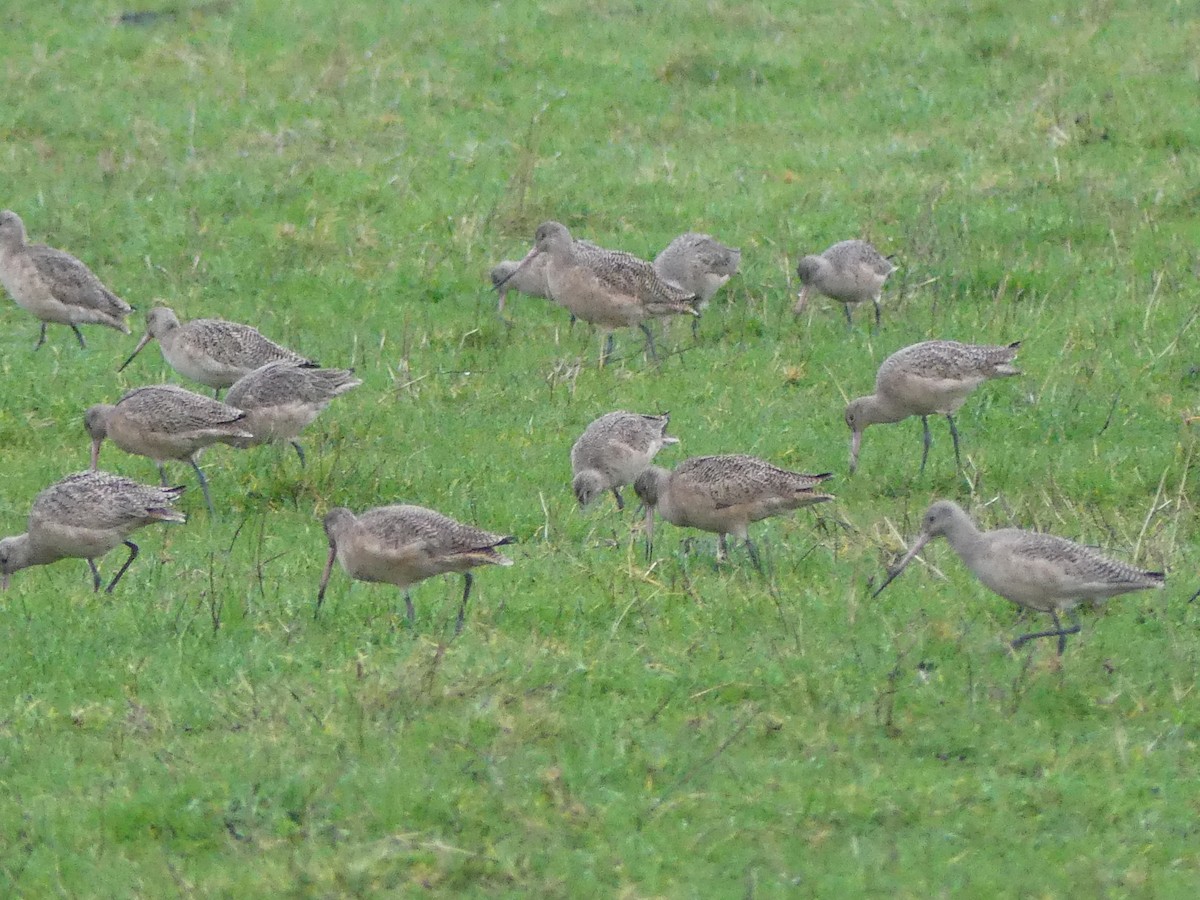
{"x":146,"y":338}
{"x":801,"y":301}
{"x":649,"y":532}
{"x":855,"y":447}
{"x":522,"y":264}
{"x":325,"y":578}
{"x":908,"y":557}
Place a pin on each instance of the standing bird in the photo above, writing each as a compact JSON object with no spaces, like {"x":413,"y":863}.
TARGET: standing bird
{"x":607,"y":288}
{"x":531,"y":280}
{"x":211,"y":351}
{"x":698,"y":263}
{"x":1035,"y":571}
{"x":403,"y":545}
{"x":166,"y":422}
{"x":724,"y":494}
{"x":924,"y":379}
{"x":83,"y":517}
{"x":281,"y":399}
{"x":849,"y":271}
{"x":613,"y":451}
{"x":53,"y":285}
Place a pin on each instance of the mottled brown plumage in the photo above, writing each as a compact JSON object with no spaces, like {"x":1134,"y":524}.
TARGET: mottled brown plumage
{"x":1036,"y":571}
{"x":54,"y":285}
{"x":281,"y":399}
{"x":165,"y":422}
{"x":724,"y":494}
{"x":850,"y":272}
{"x":932,"y":377}
{"x":698,"y":263}
{"x":613,"y":450}
{"x":84,"y":516}
{"x":211,"y":351}
{"x":608,"y":288}
{"x":403,"y":545}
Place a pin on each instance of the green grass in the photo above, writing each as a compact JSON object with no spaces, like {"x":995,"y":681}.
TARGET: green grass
{"x":343,"y":175}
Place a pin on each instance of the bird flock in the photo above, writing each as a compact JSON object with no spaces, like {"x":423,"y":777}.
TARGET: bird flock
{"x":274,"y":393}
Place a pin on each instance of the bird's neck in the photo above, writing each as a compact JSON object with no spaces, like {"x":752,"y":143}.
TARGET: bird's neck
{"x":965,"y":538}
{"x":23,"y":553}
{"x":878,"y":410}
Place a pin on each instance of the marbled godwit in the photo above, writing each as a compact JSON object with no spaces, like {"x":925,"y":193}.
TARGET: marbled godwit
{"x":53,"y":285}
{"x":166,"y":422}
{"x":849,"y":271}
{"x":281,"y":399}
{"x":83,"y":517}
{"x":698,"y":263}
{"x":1036,"y":571}
{"x":607,"y":288}
{"x":531,"y":280}
{"x":211,"y":351}
{"x":613,"y":451}
{"x":403,"y":545}
{"x":724,"y":494}
{"x":924,"y":379}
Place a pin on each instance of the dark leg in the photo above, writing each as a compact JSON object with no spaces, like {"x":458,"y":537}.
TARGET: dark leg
{"x":695,"y":328}
{"x":925,"y":441}
{"x":133,"y":552}
{"x":79,"y":334}
{"x":754,"y":556}
{"x":162,"y":475}
{"x":95,"y":576}
{"x":878,"y":315}
{"x":606,"y":349}
{"x":203,"y":486}
{"x":649,"y":341}
{"x":954,"y":437}
{"x":299,"y":452}
{"x":1074,"y":629}
{"x":722,"y":548}
{"x":462,"y":610}
{"x":41,"y":338}
{"x":216,"y":393}
{"x":1058,"y":632}
{"x":620,"y":499}
{"x":849,"y":316}
{"x":408,"y":609}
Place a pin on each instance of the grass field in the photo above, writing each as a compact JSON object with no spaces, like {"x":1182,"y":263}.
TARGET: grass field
{"x":343,"y":175}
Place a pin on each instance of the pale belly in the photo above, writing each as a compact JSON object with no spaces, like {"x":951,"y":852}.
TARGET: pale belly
{"x":587,"y":298}
{"x":280,"y":423}
{"x":21,"y":280}
{"x":65,"y":541}
{"x":705,"y":516}
{"x":144,"y":441}
{"x":201,"y":367}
